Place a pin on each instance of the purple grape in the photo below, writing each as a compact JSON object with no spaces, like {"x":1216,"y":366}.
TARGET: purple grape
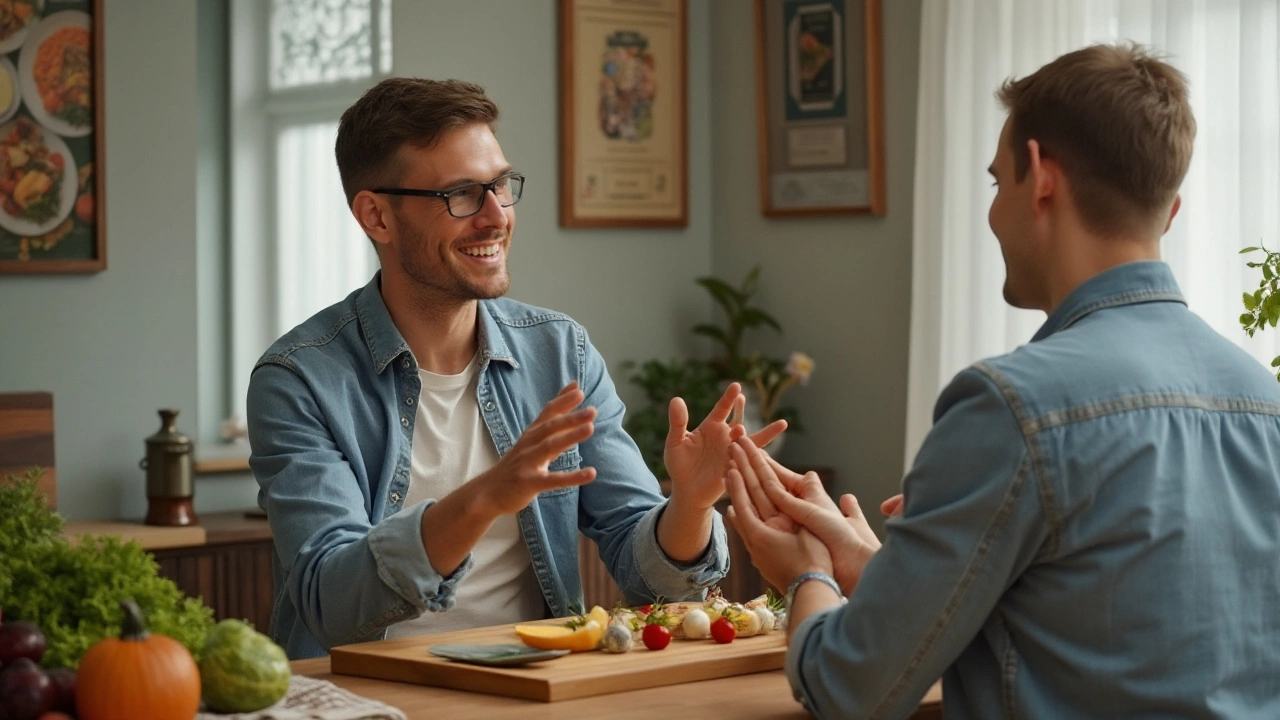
{"x":64,"y":681}
{"x":27,"y":691}
{"x":20,"y":640}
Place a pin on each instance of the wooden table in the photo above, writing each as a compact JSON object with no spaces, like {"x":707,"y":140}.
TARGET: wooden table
{"x":759,"y":696}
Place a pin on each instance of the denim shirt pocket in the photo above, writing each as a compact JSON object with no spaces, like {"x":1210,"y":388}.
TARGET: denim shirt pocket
{"x":568,"y":462}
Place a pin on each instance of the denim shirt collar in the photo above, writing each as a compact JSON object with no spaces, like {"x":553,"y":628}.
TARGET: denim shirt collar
{"x":385,"y":342}
{"x":1128,"y":284}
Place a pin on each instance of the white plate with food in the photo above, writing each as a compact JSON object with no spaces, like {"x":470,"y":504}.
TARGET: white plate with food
{"x":9,"y":97}
{"x":38,"y":180}
{"x":16,"y":19}
{"x":55,"y":73}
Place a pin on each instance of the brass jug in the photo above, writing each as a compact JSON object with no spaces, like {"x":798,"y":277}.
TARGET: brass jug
{"x":169,"y":466}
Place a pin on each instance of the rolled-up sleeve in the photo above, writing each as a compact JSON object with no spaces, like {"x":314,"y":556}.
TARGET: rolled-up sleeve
{"x":972,"y":521}
{"x":620,"y":509}
{"x":348,"y":579}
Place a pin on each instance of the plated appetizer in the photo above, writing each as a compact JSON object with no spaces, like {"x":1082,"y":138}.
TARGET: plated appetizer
{"x":30,"y":174}
{"x":655,"y":626}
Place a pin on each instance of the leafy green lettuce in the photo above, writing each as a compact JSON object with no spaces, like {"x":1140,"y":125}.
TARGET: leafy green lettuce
{"x":72,"y":591}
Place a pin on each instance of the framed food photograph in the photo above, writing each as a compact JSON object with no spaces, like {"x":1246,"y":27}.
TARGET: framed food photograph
{"x":820,"y":104}
{"x":51,"y":202}
{"x":623,"y":132}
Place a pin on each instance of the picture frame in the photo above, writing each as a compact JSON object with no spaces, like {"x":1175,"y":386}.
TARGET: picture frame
{"x":820,"y":98}
{"x":52,"y":209}
{"x":623,"y":113}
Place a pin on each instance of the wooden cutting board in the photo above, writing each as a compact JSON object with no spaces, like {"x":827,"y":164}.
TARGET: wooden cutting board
{"x":571,"y":676}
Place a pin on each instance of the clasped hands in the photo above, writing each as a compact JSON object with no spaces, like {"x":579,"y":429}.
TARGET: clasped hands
{"x":791,"y":526}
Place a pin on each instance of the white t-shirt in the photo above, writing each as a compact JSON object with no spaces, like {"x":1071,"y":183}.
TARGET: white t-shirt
{"x":450,"y":446}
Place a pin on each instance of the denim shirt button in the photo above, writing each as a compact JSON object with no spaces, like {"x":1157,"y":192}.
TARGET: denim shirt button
{"x":404,"y":421}
{"x":405,"y":364}
{"x":395,"y":498}
{"x":489,"y":406}
{"x":408,"y":400}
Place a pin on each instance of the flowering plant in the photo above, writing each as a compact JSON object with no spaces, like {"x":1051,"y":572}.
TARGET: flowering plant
{"x":769,"y":377}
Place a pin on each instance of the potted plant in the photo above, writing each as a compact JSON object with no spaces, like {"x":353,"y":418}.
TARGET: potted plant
{"x":1262,"y":307}
{"x":765,"y":379}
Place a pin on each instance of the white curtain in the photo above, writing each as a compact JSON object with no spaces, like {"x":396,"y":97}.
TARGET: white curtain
{"x":321,"y":252}
{"x":1230,"y":52}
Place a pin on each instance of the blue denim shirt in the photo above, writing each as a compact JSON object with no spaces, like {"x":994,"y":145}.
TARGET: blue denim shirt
{"x":1091,"y":530}
{"x":331,"y":408}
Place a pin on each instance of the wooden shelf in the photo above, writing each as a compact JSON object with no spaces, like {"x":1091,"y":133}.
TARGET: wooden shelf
{"x":222,"y":466}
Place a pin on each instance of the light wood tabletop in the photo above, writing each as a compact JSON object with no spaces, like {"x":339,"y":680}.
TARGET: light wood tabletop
{"x":757,"y":696}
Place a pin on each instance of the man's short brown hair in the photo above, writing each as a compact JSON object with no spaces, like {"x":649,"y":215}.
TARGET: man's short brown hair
{"x":1117,"y":119}
{"x":398,"y":112}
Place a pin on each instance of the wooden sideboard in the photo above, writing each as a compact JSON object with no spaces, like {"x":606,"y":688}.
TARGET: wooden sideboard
{"x":230,"y":570}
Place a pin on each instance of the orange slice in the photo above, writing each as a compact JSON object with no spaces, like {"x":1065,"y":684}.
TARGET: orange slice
{"x":558,"y":637}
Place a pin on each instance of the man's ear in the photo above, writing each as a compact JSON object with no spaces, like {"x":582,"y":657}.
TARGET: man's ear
{"x":1042,"y":172}
{"x":1173,"y":212}
{"x":374,"y":215}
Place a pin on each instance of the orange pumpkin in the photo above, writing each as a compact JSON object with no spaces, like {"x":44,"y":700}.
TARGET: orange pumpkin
{"x":140,"y":675}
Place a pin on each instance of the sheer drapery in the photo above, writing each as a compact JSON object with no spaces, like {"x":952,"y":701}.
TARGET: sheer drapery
{"x":1230,"y":53}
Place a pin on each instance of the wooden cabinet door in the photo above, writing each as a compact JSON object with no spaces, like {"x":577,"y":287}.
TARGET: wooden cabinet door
{"x":233,"y":579}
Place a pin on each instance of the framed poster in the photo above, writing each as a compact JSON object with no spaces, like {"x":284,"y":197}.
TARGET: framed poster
{"x":623,"y":135}
{"x":51,"y":149}
{"x":820,"y":101}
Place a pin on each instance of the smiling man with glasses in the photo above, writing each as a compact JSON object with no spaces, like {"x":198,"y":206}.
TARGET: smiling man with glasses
{"x":427,"y":450}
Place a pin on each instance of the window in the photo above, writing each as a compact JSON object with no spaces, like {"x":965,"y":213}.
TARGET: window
{"x":295,"y":249}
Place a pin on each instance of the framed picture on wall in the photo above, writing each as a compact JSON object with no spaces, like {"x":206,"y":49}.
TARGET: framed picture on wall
{"x":820,"y":102}
{"x":623,"y":134}
{"x":51,"y":149}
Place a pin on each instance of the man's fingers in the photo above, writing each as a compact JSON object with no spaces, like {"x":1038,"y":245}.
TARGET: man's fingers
{"x":849,"y":506}
{"x":570,"y":478}
{"x":739,"y":411}
{"x":790,"y":479}
{"x":677,"y":420}
{"x":786,"y":503}
{"x":720,"y":413}
{"x":544,"y":428}
{"x":569,"y":397}
{"x":751,"y":479}
{"x":557,"y":443}
{"x":745,"y":517}
{"x":892,"y":507}
{"x":766,"y":435}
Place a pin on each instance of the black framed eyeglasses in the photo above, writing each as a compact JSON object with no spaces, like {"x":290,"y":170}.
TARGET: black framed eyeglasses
{"x":466,"y":200}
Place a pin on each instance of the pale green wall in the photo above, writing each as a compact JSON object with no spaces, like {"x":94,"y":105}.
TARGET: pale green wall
{"x":632,"y":289}
{"x":115,"y":346}
{"x":840,"y":286}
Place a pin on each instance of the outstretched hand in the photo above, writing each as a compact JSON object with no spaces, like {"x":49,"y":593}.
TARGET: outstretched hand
{"x":698,"y":460}
{"x":522,"y":473}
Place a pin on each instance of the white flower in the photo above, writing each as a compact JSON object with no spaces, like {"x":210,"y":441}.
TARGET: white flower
{"x":800,"y":367}
{"x":233,"y":428}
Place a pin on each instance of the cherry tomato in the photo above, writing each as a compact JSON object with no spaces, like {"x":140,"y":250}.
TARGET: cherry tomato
{"x":656,"y":637}
{"x":722,"y":631}
{"x":644,"y":609}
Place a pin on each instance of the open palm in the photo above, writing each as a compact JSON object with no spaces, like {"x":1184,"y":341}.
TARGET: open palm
{"x":699,"y":460}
